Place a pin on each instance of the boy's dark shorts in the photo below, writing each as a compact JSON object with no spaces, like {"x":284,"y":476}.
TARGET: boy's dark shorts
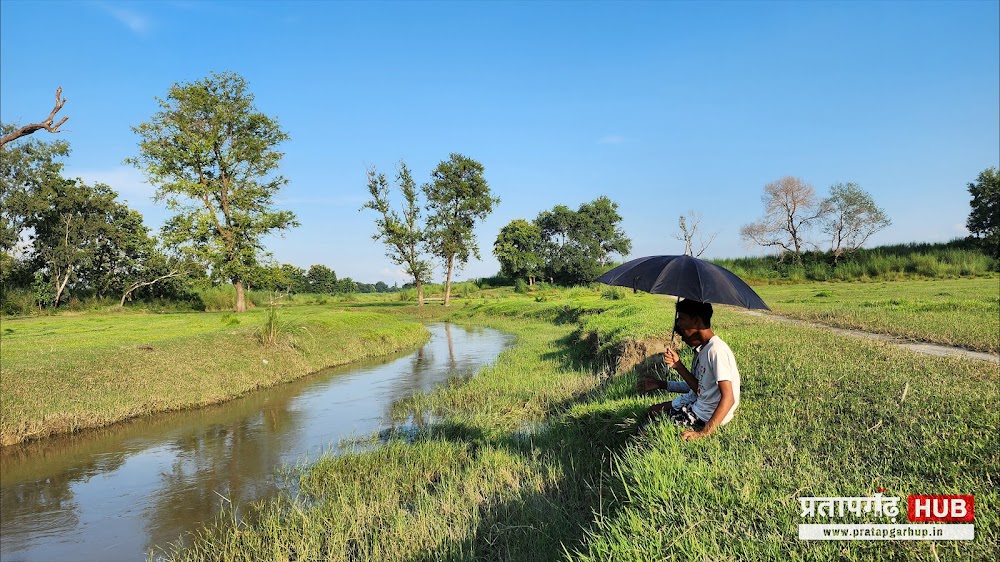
{"x":685,"y":417}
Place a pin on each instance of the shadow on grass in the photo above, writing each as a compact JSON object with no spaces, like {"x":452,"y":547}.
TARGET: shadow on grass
{"x":575,"y":449}
{"x":544,"y":525}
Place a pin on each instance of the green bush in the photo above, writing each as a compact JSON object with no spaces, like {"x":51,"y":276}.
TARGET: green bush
{"x":613,"y":293}
{"x":18,"y":302}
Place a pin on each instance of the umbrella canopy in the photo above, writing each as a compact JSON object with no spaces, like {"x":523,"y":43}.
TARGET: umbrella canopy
{"x":686,"y":277}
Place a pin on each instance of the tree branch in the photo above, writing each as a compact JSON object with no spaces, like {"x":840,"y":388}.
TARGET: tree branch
{"x":138,"y":284}
{"x":47,"y":124}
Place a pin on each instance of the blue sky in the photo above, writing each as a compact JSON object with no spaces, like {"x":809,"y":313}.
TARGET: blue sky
{"x":665,"y":107}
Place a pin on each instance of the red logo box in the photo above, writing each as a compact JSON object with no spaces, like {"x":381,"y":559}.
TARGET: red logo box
{"x":940,"y":509}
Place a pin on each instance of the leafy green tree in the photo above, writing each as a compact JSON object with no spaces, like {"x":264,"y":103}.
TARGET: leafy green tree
{"x":404,"y":237}
{"x":576,"y":244}
{"x":518,"y":249}
{"x":597,"y":228}
{"x":457,"y":197}
{"x":76,"y":230}
{"x":293,"y":279}
{"x":321,"y":279}
{"x":984,"y":219}
{"x":851,"y":218}
{"x":346,"y":285}
{"x":128,"y":261}
{"x":212,"y":156}
{"x":27,"y":169}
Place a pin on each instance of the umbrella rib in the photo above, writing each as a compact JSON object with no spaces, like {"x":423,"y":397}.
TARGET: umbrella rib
{"x":697,"y":271}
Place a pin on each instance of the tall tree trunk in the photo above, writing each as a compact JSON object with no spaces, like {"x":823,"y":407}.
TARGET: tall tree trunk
{"x":61,"y":286}
{"x":447,"y":284}
{"x":241,"y":303}
{"x":420,"y":293}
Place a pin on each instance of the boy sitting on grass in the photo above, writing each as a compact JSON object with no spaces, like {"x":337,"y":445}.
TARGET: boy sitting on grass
{"x":713,"y":379}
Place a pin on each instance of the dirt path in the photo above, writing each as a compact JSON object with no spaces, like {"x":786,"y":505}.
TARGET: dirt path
{"x":919,"y":347}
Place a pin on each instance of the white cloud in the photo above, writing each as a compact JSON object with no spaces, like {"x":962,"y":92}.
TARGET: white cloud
{"x":136,"y":22}
{"x":611,"y":139}
{"x":395,"y":275}
{"x":128,"y":182}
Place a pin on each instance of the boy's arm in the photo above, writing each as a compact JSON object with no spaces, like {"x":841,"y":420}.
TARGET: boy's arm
{"x":725,"y":403}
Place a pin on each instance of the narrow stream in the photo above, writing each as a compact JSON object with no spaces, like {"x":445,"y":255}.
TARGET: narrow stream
{"x":114,"y":494}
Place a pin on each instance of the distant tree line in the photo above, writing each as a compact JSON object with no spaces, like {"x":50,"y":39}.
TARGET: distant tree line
{"x":562,"y":245}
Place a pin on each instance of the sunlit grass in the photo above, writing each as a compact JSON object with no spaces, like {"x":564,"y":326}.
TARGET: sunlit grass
{"x":65,"y":373}
{"x":960,"y":312}
{"x":538,"y":457}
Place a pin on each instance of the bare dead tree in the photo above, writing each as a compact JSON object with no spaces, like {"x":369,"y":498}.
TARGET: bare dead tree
{"x":47,"y":124}
{"x":790,"y":209}
{"x":689,"y":232}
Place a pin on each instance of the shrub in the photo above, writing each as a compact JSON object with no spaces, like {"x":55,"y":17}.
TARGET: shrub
{"x":18,"y":302}
{"x":613,"y":293}
{"x":275,"y":331}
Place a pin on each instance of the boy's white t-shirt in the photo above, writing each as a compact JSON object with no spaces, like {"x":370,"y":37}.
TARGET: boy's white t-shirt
{"x":713,"y":362}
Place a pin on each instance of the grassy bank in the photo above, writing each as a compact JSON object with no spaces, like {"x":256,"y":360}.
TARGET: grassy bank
{"x":538,"y":457}
{"x":69,"y":372}
{"x":958,"y":258}
{"x":957,"y":312}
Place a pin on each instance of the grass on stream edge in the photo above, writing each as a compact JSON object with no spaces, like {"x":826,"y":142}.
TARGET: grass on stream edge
{"x":66,"y":373}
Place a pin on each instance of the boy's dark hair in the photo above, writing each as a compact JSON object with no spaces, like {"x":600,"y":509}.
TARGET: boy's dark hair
{"x":702,"y":310}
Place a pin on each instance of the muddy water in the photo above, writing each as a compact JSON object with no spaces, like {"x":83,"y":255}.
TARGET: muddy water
{"x":117,"y":493}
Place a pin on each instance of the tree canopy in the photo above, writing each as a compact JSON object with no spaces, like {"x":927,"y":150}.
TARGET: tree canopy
{"x":851,"y":218}
{"x":457,"y":196}
{"x":791,"y":207}
{"x":213,"y":158}
{"x":566,"y":246}
{"x":404,"y":236}
{"x":518,"y":249}
{"x":984,"y":218}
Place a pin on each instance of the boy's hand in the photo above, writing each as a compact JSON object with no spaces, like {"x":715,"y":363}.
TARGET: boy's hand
{"x":691,"y":435}
{"x":671,"y":358}
{"x":648,"y":384}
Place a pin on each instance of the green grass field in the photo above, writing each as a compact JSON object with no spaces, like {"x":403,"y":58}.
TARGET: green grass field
{"x":957,"y":312}
{"x":74,"y":371}
{"x":538,"y":457}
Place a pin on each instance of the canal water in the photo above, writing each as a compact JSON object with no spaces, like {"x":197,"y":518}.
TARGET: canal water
{"x":118,"y":493}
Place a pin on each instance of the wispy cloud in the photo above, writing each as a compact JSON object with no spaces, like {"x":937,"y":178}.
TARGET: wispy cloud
{"x":611,"y":139}
{"x":395,"y":275}
{"x":128,"y":182}
{"x":136,"y":22}
{"x":342,"y":201}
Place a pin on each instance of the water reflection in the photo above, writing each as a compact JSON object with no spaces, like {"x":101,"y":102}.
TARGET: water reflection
{"x":113,"y":494}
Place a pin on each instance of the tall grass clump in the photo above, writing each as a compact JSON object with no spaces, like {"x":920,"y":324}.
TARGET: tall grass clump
{"x":613,"y":293}
{"x":520,"y":286}
{"x":275,"y":331}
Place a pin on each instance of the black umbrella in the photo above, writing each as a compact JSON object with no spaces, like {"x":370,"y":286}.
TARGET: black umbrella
{"x":686,"y":277}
